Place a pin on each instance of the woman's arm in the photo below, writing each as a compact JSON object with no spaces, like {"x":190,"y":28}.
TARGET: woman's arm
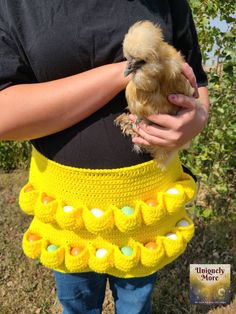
{"x":30,"y":111}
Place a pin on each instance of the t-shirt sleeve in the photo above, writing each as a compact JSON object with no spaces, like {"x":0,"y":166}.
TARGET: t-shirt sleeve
{"x":13,"y":69}
{"x":185,"y":38}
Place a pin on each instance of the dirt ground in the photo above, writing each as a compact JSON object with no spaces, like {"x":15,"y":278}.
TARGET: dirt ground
{"x":26,"y":287}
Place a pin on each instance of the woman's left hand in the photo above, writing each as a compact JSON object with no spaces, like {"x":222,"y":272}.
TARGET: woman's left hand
{"x":172,"y":132}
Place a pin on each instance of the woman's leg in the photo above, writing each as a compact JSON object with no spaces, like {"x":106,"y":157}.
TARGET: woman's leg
{"x":81,"y":292}
{"x":132,"y":295}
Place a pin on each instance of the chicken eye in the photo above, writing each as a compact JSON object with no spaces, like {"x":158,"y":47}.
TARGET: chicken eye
{"x":139,"y":63}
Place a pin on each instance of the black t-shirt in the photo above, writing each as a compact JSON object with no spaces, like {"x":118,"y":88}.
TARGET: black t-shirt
{"x":42,"y":41}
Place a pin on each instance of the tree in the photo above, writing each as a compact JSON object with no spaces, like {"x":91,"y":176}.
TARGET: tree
{"x":212,"y":154}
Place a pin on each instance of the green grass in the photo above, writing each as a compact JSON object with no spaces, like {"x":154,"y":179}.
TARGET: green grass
{"x":27,"y":287}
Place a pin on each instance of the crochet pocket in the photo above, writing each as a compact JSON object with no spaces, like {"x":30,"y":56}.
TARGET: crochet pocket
{"x":45,"y":208}
{"x":125,"y":263}
{"x":186,"y":227}
{"x":152,"y":257}
{"x":103,"y":262}
{"x":178,"y":194}
{"x":98,"y":224}
{"x":54,"y":258}
{"x":69,"y":217}
{"x":173,"y":199}
{"x":189,"y":186}
{"x":32,"y":247}
{"x":75,"y":263}
{"x":126,"y":223}
{"x":152,"y":214}
{"x":173,"y":243}
{"x":27,"y":198}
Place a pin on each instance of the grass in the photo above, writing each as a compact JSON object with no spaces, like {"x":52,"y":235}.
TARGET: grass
{"x":27,"y":287}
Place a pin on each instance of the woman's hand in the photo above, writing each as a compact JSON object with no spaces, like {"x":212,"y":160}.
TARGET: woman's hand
{"x":172,"y":132}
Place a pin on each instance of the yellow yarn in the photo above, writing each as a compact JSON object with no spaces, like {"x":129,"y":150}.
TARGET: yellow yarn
{"x":108,"y":190}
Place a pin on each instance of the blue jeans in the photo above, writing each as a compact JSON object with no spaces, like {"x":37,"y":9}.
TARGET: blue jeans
{"x":83,"y":293}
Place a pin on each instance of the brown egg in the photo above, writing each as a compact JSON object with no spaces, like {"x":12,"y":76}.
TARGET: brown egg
{"x":151,"y":245}
{"x":75,"y":251}
{"x":47,"y":199}
{"x":151,"y":202}
{"x":29,"y":188}
{"x":33,"y":237}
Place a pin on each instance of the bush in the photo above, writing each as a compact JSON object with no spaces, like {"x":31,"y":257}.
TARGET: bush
{"x":212,"y":155}
{"x":14,"y":155}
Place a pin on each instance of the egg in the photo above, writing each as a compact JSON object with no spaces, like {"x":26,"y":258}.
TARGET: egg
{"x":33,"y":237}
{"x":68,"y":209}
{"x":182,"y":223}
{"x":47,"y":199}
{"x":97,"y":212}
{"x":29,"y":188}
{"x":52,"y":248}
{"x":171,"y":236}
{"x":151,"y":245}
{"x":128,"y":211}
{"x":172,"y":191}
{"x":75,"y":251}
{"x":151,"y":202}
{"x":127,"y":250}
{"x":100,"y":253}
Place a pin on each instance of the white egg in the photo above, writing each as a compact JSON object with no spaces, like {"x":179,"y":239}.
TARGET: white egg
{"x":97,"y":212}
{"x":101,"y":253}
{"x":172,"y":191}
{"x":182,"y":223}
{"x":172,"y":236}
{"x":68,"y":209}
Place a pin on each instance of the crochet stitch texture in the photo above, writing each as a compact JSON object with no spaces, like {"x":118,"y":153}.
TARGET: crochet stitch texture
{"x":66,"y":219}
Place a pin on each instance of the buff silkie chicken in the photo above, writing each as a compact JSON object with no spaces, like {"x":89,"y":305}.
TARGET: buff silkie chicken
{"x":156,"y":73}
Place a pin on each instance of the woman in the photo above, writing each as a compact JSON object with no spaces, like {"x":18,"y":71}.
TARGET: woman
{"x":62,"y":86}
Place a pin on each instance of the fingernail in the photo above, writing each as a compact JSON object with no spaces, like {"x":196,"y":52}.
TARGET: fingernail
{"x":173,"y":97}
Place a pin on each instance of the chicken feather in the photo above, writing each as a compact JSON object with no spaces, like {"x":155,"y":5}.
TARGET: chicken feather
{"x":156,"y":73}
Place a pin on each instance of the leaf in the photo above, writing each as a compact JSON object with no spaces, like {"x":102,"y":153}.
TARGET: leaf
{"x":207,"y":212}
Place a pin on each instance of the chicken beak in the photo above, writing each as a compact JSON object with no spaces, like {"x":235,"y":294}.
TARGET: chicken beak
{"x":132,"y":66}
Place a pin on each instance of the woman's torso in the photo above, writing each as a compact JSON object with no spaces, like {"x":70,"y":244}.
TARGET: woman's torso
{"x":59,"y":38}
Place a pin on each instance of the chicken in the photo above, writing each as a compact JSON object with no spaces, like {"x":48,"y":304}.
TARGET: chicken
{"x":156,"y":73}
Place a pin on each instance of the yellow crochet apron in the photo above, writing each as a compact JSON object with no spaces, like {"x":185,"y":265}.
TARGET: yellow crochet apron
{"x":64,"y":199}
